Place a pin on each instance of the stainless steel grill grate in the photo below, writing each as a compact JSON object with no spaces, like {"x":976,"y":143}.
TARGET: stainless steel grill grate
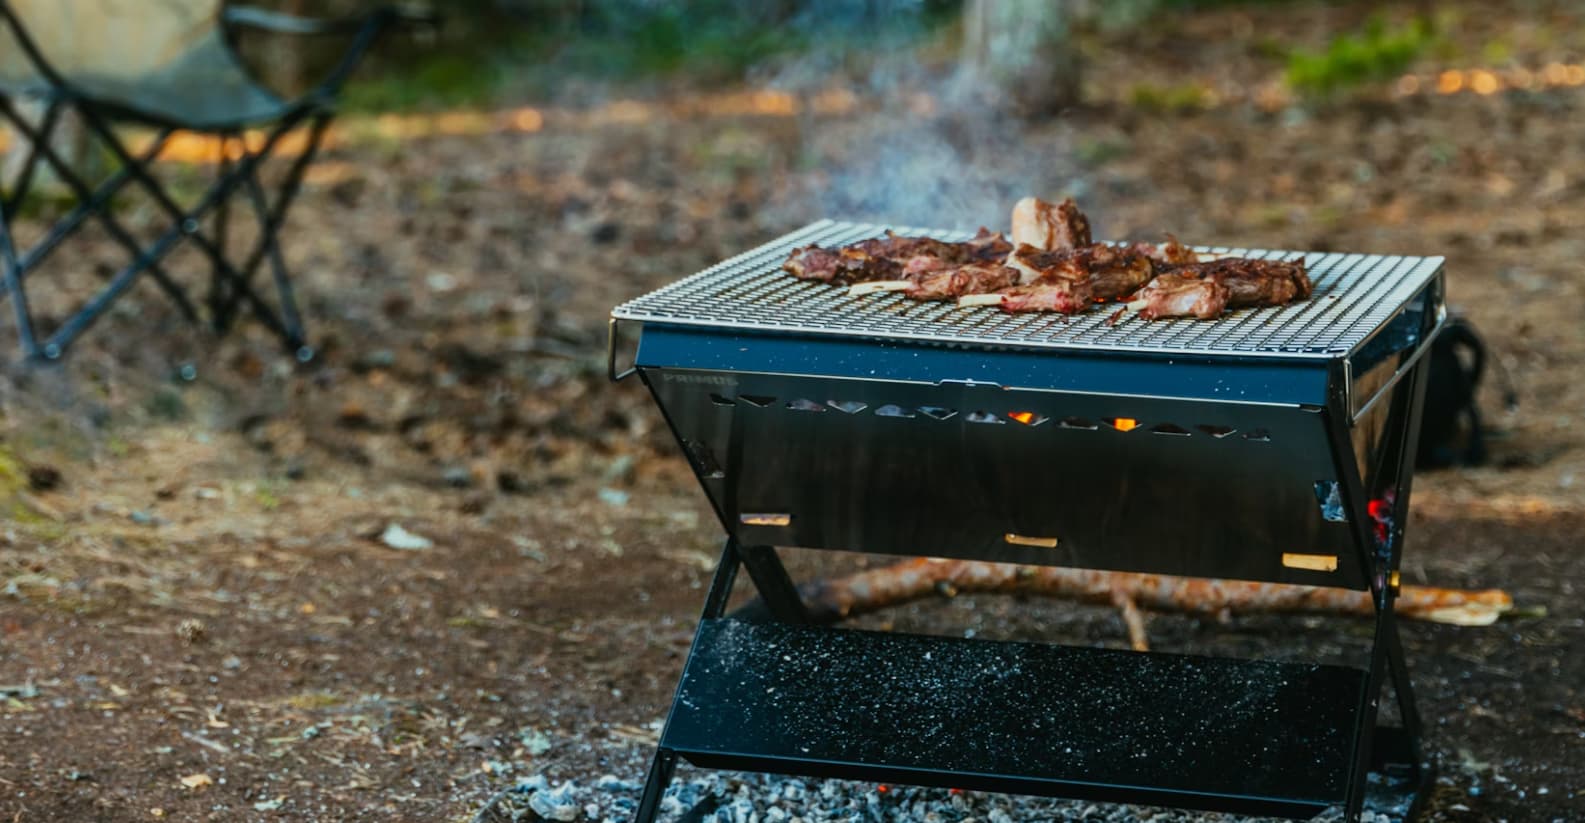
{"x":1355,"y":294}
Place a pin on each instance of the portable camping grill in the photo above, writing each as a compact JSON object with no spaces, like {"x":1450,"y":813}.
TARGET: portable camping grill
{"x":1274,"y":444}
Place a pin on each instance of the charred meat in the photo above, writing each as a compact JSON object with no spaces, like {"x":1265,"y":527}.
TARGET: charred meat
{"x":840,"y":266}
{"x":1254,"y":282}
{"x":1112,"y":272}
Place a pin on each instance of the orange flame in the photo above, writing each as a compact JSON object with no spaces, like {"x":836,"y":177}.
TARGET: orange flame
{"x":1124,"y":424}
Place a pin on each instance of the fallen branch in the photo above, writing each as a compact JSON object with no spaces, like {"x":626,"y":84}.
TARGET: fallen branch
{"x":829,"y":601}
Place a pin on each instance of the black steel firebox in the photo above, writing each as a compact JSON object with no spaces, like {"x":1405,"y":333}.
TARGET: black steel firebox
{"x":1273,"y":444}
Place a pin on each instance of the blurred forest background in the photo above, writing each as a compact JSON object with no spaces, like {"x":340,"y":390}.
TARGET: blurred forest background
{"x":448,"y":557}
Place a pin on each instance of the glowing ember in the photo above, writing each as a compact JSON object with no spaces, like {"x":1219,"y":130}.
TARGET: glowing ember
{"x":1124,"y":424}
{"x":1023,"y":417}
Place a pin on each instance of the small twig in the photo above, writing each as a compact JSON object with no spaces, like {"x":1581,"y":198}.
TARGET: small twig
{"x":1133,"y":618}
{"x":206,"y":743}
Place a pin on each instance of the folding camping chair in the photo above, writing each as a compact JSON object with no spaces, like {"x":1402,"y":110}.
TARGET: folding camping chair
{"x":165,"y":65}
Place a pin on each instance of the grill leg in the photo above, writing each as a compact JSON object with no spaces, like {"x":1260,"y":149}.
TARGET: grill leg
{"x":660,"y":772}
{"x":664,"y":765}
{"x":775,"y":585}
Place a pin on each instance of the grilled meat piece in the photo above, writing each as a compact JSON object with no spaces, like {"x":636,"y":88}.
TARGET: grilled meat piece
{"x":1112,"y":272}
{"x":985,"y":247}
{"x":1116,"y":273}
{"x":893,"y":256}
{"x":1063,"y":296}
{"x":1168,"y":253}
{"x":1037,"y":264}
{"x":895,"y":247}
{"x":957,"y":281}
{"x":1254,"y":282}
{"x":840,"y":266}
{"x":1180,"y":295}
{"x":1050,"y":227}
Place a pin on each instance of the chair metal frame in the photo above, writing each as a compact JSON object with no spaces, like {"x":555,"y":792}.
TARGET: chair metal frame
{"x":232,"y":287}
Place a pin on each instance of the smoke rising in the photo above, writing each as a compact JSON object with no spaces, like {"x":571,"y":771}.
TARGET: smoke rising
{"x":934,"y":146}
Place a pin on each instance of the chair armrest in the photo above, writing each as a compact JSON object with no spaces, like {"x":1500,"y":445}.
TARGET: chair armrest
{"x":283,"y":23}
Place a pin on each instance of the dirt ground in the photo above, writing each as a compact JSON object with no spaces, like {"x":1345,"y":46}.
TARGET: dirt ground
{"x":199,"y":618}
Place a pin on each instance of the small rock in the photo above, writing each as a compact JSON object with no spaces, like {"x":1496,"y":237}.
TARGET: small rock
{"x":614,"y":497}
{"x":143,"y":518}
{"x":511,"y":482}
{"x":399,"y":538}
{"x":440,"y":282}
{"x":197,"y":781}
{"x":20,"y":691}
{"x":231,"y":663}
{"x":534,"y":741}
{"x":555,"y":804}
{"x":457,"y":477}
{"x":378,"y":359}
{"x":268,"y":805}
{"x":620,"y":470}
{"x":612,"y":783}
{"x":191,"y":630}
{"x":44,"y":478}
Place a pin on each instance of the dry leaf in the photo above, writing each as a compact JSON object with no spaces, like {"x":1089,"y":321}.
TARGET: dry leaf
{"x":197,"y":781}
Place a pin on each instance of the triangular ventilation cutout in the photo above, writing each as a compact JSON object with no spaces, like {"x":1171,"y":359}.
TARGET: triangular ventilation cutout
{"x":1122,"y":424}
{"x":985,"y":417}
{"x":805,"y":405}
{"x":1028,"y":418}
{"x":1258,"y":435}
{"x":1169,"y":428}
{"x":938,"y":412}
{"x":1216,"y":431}
{"x":849,"y":406}
{"x":1077,"y":423}
{"x":890,"y":410}
{"x":721,"y":401}
{"x":757,"y":399}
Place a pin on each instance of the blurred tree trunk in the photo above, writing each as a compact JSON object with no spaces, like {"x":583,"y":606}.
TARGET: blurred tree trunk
{"x":1022,"y":53}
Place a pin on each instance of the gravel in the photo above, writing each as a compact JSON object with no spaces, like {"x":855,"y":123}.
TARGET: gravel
{"x":736,"y":798}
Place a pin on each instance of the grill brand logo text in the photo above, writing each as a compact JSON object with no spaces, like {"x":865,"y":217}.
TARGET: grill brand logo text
{"x":700,"y":379}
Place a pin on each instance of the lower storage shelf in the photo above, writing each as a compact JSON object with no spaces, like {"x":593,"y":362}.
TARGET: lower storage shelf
{"x":1243,"y":736}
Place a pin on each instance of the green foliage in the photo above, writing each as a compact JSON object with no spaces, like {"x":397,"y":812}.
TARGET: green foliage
{"x":521,"y":48}
{"x":1349,"y":60}
{"x":1176,"y":98}
{"x":445,"y":78}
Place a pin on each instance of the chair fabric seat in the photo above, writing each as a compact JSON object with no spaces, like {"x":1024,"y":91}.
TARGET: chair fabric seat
{"x":171,"y":68}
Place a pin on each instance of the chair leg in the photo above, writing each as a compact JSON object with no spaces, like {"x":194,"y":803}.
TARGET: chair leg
{"x":271,"y":218}
{"x":218,"y":296}
{"x":95,"y":203}
{"x":283,"y":283}
{"x":11,"y":271}
{"x":24,"y":178}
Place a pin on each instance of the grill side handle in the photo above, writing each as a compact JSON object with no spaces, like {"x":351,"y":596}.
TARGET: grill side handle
{"x":613,"y":338}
